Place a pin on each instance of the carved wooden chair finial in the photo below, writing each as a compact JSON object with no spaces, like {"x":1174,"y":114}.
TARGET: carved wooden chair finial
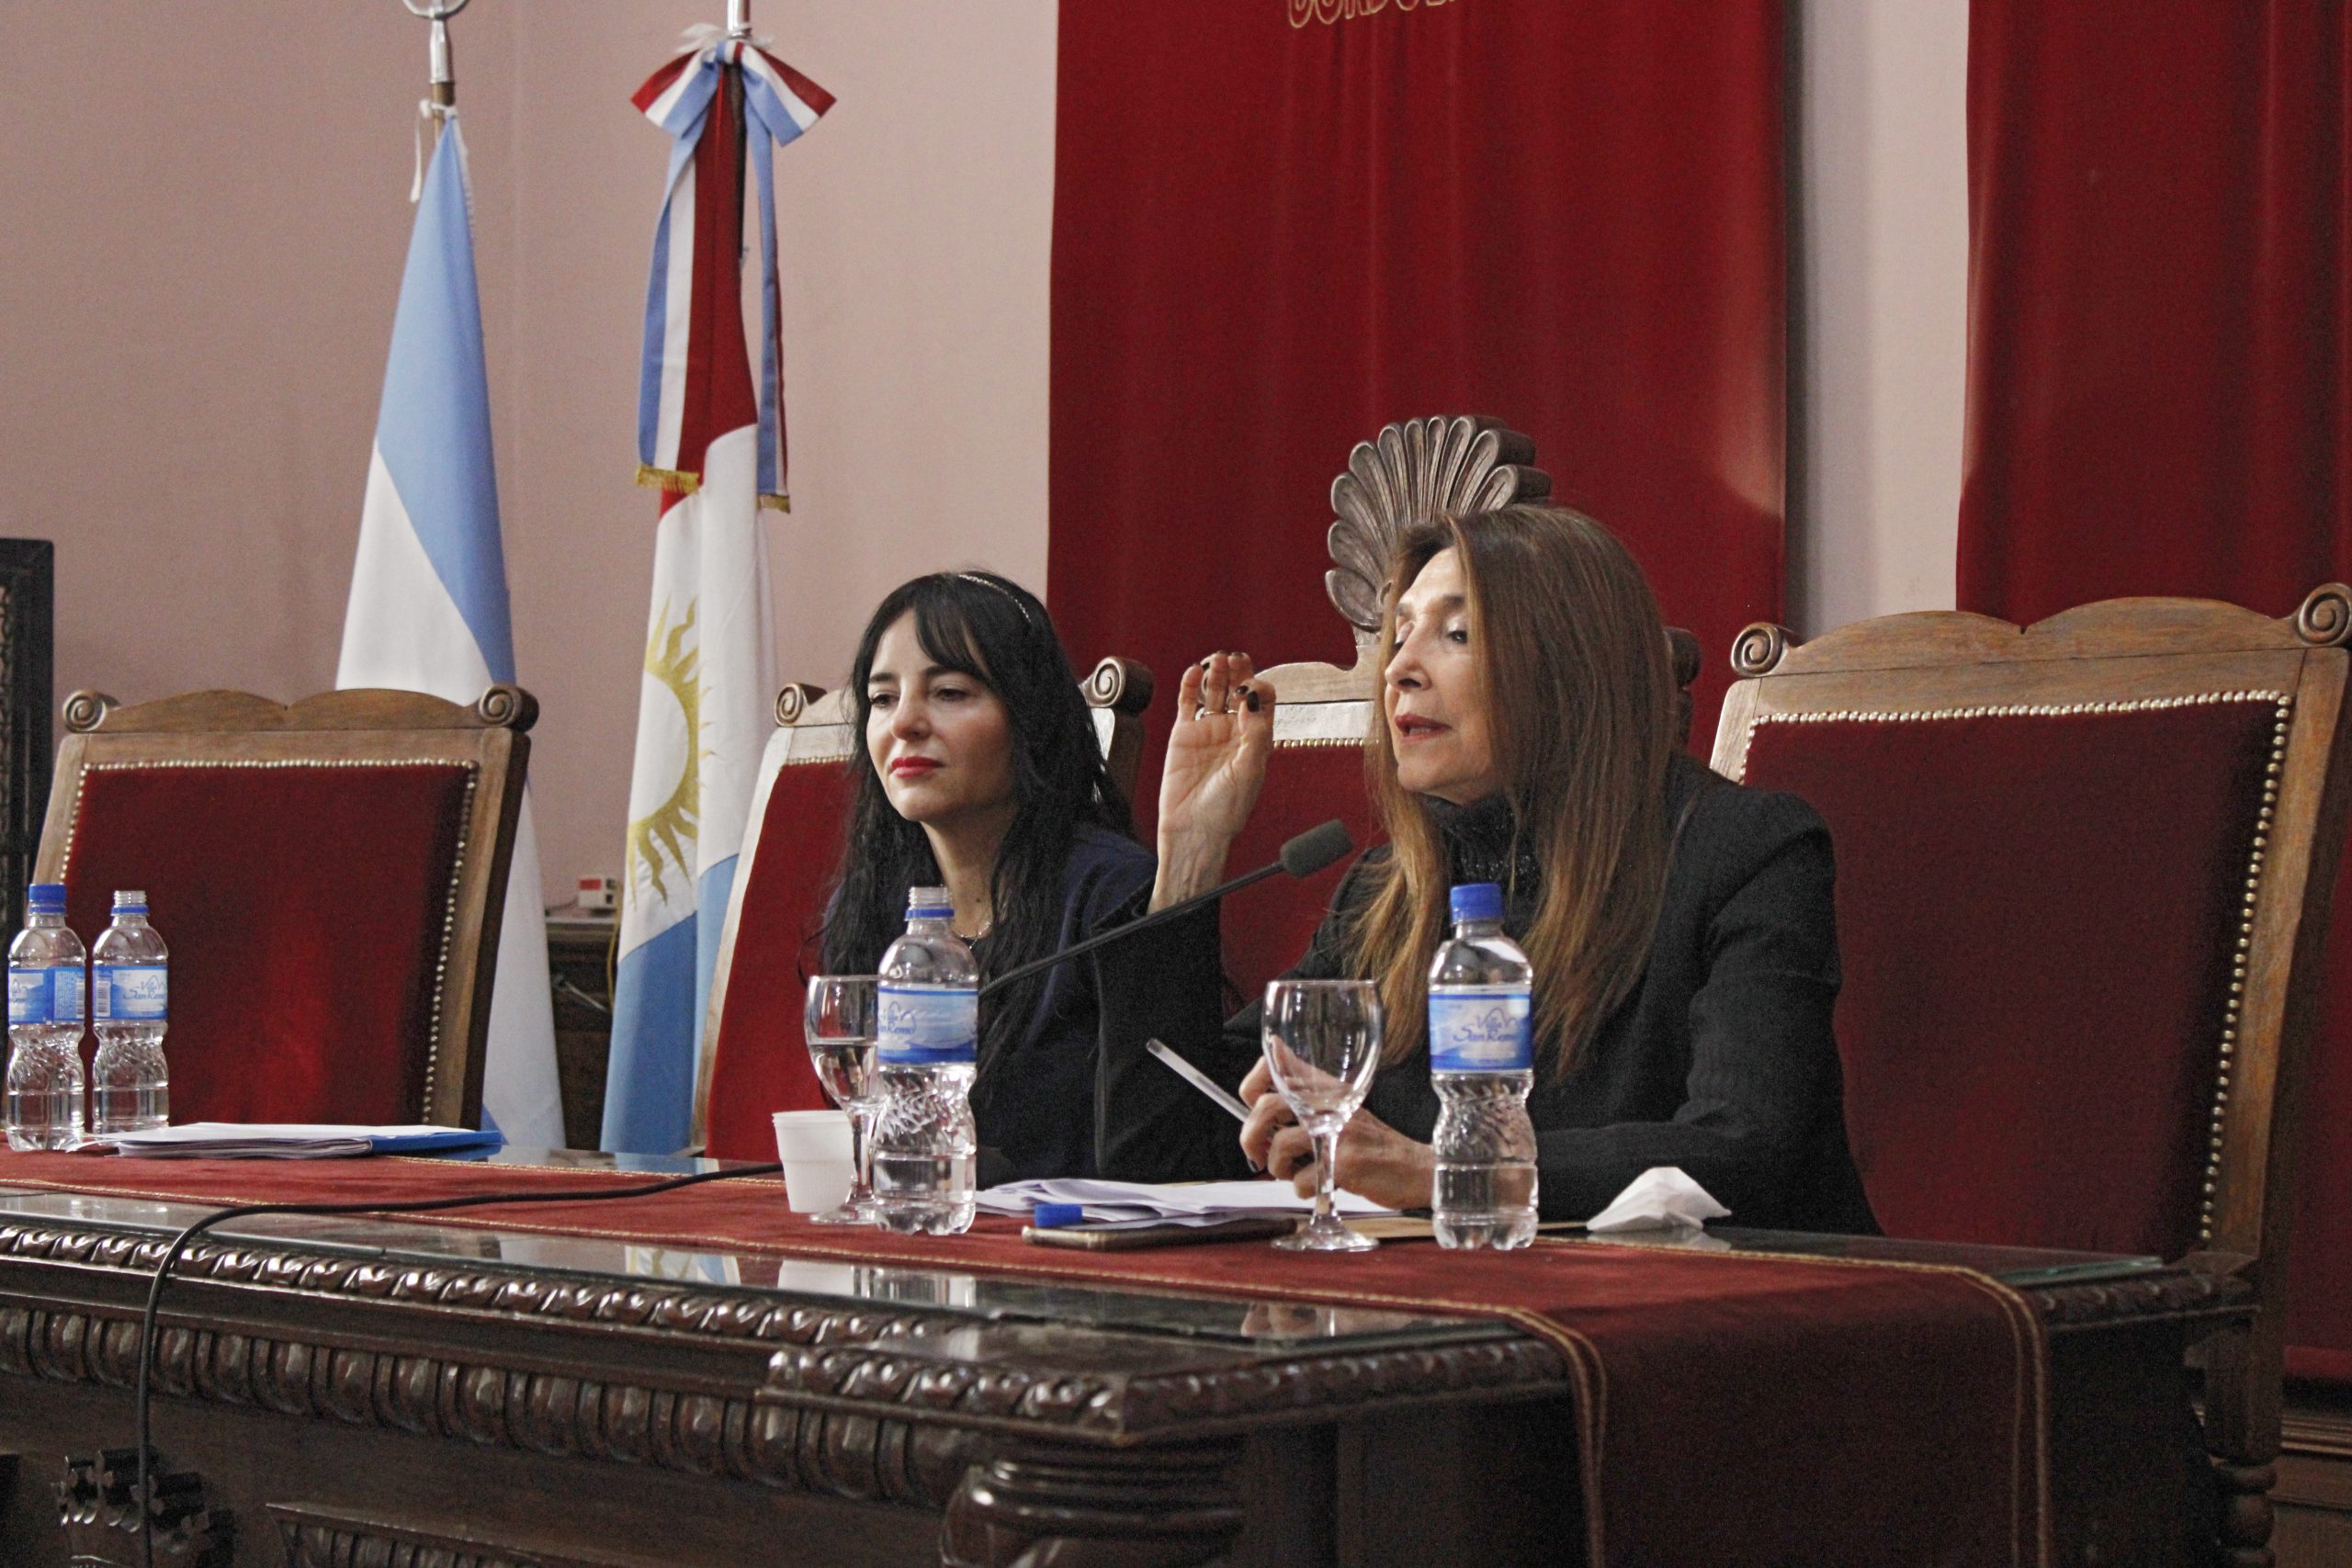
{"x":1410,"y":472}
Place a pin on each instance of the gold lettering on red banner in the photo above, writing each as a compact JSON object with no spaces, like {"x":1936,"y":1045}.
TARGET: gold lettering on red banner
{"x":1333,"y":12}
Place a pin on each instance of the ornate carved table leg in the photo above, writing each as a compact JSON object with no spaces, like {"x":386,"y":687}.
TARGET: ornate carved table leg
{"x":2247,"y":1516}
{"x":1034,"y":1506}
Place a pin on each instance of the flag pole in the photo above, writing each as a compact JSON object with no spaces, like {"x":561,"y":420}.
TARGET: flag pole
{"x":739,"y":29}
{"x":442,"y":81}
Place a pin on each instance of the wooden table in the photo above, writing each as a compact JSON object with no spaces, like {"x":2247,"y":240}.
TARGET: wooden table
{"x":384,"y":1392}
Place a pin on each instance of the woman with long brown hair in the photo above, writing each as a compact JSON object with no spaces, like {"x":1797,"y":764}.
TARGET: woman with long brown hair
{"x":1679,"y":927}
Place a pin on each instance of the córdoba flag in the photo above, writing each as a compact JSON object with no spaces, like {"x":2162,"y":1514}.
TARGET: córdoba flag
{"x":712,"y":440}
{"x":428,"y":595}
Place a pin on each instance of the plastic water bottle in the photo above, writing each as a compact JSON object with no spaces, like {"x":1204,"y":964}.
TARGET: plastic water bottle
{"x":45,"y":975}
{"x":1482,"y":1062}
{"x":129,"y":1087}
{"x":925,"y":1148}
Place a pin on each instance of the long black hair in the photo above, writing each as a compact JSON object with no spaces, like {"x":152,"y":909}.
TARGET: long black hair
{"x":996,"y":632}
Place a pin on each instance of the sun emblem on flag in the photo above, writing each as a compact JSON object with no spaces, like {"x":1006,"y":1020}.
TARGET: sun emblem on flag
{"x":666,"y":831}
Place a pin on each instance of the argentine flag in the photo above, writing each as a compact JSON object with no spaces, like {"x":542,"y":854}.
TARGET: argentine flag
{"x":711,"y":439}
{"x":428,"y":595}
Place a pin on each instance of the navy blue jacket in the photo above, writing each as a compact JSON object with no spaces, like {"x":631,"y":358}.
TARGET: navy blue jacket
{"x":1033,"y":1100}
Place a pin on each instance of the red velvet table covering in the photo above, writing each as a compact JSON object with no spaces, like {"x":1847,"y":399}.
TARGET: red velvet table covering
{"x":1732,"y":1408}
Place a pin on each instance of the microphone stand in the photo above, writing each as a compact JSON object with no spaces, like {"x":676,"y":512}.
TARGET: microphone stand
{"x":1303,"y":856}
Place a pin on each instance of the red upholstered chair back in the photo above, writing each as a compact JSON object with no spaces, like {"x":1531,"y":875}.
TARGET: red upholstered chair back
{"x":755,"y":1061}
{"x":329,"y":876}
{"x":754,"y":1058}
{"x":2082,"y":877}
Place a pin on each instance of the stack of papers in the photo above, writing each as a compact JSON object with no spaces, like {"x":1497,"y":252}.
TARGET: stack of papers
{"x":1174,"y":1203}
{"x":290,"y":1140}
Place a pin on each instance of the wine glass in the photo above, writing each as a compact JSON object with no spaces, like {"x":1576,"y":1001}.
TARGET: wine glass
{"x":1322,"y":1042}
{"x":841,"y":1025}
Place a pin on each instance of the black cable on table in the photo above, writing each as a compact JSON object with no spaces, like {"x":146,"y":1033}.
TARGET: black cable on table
{"x":149,"y":1318}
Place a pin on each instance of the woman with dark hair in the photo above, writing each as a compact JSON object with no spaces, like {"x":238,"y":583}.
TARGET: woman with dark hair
{"x":1679,"y":927}
{"x":985,"y":777}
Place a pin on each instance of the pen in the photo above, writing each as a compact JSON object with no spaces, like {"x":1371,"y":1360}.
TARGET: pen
{"x":1198,"y":1079}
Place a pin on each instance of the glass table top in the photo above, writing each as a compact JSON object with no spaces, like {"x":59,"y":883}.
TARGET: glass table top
{"x":1272,"y":1328}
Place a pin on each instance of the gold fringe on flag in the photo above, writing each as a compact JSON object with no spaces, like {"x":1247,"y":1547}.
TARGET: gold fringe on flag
{"x":668,"y":478}
{"x":775,"y":502}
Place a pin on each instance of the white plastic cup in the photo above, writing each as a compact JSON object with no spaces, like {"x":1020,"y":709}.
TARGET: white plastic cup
{"x":814,"y":1147}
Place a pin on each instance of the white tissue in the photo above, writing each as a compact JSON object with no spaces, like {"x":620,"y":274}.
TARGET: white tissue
{"x":1660,"y":1197}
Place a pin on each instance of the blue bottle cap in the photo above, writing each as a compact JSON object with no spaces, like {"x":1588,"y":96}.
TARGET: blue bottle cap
{"x":1477,"y":901}
{"x":48,"y":897}
{"x":1049,"y":1216}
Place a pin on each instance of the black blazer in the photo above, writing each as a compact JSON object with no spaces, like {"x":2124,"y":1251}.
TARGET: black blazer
{"x":1720,"y":1060}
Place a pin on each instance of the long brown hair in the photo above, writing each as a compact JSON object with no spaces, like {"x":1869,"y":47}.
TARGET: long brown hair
{"x":1579,"y":691}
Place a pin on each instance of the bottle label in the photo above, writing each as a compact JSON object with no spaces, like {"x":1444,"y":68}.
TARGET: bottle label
{"x":27,"y":996}
{"x":65,"y":995}
{"x":1481,"y":1029}
{"x":45,"y":995}
{"x":928,"y":1025}
{"x":136,"y":991}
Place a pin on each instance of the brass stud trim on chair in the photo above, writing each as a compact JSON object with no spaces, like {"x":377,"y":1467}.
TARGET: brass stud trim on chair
{"x":457,"y":858}
{"x":2250,"y":899}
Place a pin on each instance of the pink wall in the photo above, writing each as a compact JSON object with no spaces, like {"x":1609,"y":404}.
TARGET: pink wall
{"x":201,"y":231}
{"x":203,"y":215}
{"x":1880,"y":320}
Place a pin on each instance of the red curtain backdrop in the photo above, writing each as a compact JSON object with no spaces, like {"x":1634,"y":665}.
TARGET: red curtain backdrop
{"x":1282,"y":224}
{"x":2160,"y":377}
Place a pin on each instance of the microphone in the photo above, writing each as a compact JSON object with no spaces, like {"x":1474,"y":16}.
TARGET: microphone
{"x":1303,"y":856}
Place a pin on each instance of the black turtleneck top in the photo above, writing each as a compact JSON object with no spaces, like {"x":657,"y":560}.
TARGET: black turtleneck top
{"x":1720,"y":1060}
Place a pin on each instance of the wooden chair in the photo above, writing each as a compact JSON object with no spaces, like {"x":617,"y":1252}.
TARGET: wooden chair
{"x":754,"y":1061}
{"x":330,"y":878}
{"x":1410,"y":472}
{"x":2083,"y":876}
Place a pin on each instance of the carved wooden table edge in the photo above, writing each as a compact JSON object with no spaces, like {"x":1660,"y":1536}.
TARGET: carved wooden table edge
{"x":868,"y":1357}
{"x":2169,"y":1295}
{"x":882,"y":1402}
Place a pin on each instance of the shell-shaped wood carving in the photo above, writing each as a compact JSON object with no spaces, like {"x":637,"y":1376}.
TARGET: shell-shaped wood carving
{"x":1411,"y":472}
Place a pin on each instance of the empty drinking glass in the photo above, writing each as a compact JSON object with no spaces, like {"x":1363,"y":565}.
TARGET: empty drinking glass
{"x":840,"y":1026}
{"x":1322,"y":1042}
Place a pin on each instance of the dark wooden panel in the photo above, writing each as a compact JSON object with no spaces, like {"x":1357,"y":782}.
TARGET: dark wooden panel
{"x":580,"y":960}
{"x":28,"y":645}
{"x":532,"y":1506}
{"x":2315,"y":1492}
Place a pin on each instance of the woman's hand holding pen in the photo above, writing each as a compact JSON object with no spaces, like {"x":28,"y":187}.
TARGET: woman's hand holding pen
{"x":1376,"y":1161}
{"x":1216,"y":764}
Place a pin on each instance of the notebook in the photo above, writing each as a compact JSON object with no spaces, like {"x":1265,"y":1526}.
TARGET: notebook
{"x":290,"y":1140}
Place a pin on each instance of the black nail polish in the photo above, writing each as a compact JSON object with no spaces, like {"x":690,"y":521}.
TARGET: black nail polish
{"x":1253,"y":701}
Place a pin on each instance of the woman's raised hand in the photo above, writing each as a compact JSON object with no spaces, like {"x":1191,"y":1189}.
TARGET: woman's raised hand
{"x":1216,"y":764}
